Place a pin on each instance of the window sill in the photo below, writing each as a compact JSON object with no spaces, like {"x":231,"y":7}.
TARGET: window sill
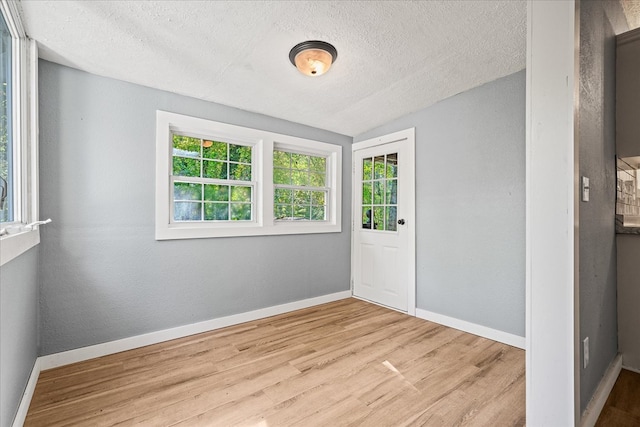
{"x":196,"y":232}
{"x":14,"y":245}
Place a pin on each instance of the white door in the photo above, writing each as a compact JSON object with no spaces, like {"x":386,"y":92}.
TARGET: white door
{"x":383,"y":225}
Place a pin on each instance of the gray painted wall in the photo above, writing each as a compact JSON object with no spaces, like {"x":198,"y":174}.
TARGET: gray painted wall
{"x":599,"y":22}
{"x":103,"y":276}
{"x":18,"y":330}
{"x":470,"y":204}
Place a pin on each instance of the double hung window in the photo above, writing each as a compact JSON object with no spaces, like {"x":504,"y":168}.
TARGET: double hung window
{"x":300,"y":186}
{"x":212,"y":180}
{"x":18,"y":136}
{"x":217,"y":180}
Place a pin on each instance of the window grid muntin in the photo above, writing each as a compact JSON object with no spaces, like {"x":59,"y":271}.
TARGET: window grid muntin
{"x":204,"y":181}
{"x":380,"y":208}
{"x":203,"y":201}
{"x":279,"y":207}
{"x":202,"y":159}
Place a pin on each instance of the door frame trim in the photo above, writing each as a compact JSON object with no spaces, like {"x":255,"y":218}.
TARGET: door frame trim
{"x":410,"y":136}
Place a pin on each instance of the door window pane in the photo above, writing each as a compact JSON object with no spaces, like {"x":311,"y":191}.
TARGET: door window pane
{"x":378,"y":168}
{"x":380,"y":192}
{"x":378,"y":218}
{"x":366,"y":170}
{"x":366,"y":193}
{"x":392,"y":192}
{"x":391,"y":217}
{"x":366,"y":217}
{"x":392,"y":165}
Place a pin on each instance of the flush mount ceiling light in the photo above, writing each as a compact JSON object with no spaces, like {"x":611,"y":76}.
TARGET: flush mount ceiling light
{"x":313,"y":57}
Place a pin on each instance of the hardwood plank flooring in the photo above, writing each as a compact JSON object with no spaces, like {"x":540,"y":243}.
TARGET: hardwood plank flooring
{"x":622,"y":407}
{"x":338,"y":364}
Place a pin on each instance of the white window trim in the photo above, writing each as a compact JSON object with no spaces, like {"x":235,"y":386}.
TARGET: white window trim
{"x":263,"y":143}
{"x":25,"y":132}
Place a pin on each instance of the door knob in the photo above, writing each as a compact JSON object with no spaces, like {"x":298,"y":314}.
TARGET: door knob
{"x":401,"y":221}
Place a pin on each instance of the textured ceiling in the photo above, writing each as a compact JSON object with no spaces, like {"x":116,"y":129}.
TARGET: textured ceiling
{"x":393,"y":57}
{"x":632,"y":12}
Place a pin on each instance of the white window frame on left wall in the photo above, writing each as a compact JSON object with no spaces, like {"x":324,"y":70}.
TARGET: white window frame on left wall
{"x":19,"y":237}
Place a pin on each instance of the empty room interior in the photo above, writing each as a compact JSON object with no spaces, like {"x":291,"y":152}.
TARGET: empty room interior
{"x":275,"y":213}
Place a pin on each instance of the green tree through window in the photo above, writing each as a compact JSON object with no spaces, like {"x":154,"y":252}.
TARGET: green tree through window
{"x":300,"y":186}
{"x":211,"y":180}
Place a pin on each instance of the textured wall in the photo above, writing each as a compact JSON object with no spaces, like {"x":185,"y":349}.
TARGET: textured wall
{"x":599,"y":22}
{"x":103,"y":275}
{"x":470,"y":204}
{"x":18,"y":330}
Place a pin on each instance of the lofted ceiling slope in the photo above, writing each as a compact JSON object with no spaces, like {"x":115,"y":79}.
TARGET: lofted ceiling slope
{"x":394,"y":57}
{"x":631,"y":10}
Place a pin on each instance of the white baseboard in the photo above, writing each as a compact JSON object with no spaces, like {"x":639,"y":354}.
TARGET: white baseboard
{"x":21,"y":415}
{"x":85,"y":353}
{"x":594,"y":408}
{"x":629,"y":368}
{"x":472,"y":328}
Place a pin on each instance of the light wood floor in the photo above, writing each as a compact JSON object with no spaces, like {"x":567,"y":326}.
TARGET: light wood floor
{"x":622,"y":408}
{"x":343,"y":363}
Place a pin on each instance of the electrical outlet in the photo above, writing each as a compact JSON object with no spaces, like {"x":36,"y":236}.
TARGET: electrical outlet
{"x":585,"y":348}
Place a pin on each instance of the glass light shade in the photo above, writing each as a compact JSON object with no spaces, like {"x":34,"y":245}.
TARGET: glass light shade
{"x":313,"y":62}
{"x":313,"y":57}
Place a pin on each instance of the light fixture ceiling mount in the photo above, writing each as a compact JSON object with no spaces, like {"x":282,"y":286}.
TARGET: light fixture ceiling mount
{"x":313,"y":57}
